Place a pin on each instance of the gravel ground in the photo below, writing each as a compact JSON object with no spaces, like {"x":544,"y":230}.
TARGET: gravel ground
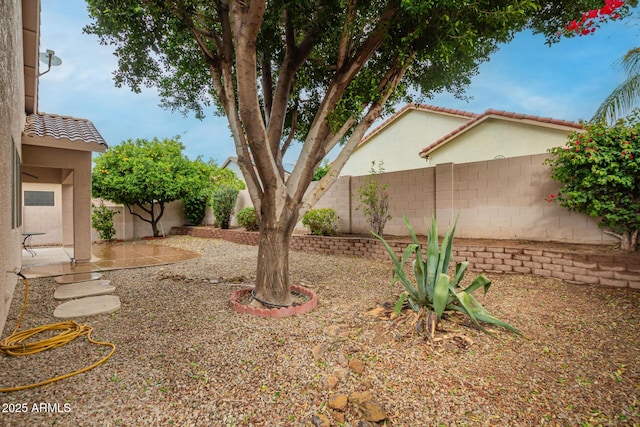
{"x":183,"y":358}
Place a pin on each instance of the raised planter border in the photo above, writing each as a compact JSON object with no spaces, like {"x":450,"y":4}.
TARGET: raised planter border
{"x":615,"y":271}
{"x":291,"y":310}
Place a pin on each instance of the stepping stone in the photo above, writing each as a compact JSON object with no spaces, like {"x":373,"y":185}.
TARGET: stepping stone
{"x":88,"y":306}
{"x":80,"y":277}
{"x":84,"y":289}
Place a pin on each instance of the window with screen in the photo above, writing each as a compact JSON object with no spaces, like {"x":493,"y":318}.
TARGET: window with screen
{"x":39,"y":198}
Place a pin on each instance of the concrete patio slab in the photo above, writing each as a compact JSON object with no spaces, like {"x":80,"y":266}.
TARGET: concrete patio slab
{"x":55,"y":261}
{"x":84,"y":289}
{"x":75,"y":278}
{"x":88,"y":306}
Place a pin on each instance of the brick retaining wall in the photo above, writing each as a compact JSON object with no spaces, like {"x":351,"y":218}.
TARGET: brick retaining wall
{"x":621,"y":271}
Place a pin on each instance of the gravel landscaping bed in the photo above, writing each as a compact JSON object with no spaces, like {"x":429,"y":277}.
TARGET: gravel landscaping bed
{"x":184,"y":358}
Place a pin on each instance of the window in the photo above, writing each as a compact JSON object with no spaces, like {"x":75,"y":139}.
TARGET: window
{"x":39,"y":198}
{"x":16,"y":187}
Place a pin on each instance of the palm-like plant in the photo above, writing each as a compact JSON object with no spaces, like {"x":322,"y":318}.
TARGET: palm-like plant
{"x":626,"y":95}
{"x":434,"y":289}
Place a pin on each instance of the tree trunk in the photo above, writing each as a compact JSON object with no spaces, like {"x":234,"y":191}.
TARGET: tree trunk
{"x":272,"y":281}
{"x":629,"y":241}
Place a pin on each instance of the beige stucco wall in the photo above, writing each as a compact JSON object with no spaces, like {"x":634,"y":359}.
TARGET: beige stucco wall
{"x":12,"y":119}
{"x":46,"y":219}
{"x":495,"y":138}
{"x":399,"y":143}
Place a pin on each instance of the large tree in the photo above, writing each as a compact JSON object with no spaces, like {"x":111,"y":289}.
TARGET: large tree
{"x":318,"y":72}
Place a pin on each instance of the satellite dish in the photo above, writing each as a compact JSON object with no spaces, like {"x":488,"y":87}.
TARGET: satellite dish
{"x":50,"y":59}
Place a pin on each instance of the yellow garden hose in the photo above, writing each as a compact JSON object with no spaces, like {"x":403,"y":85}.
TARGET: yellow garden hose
{"x":15,"y":345}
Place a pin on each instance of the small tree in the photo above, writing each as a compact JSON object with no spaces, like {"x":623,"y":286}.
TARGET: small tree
{"x":102,"y":221}
{"x":374,"y":199}
{"x":214,"y":177}
{"x":148,"y":175}
{"x":600,"y":173}
{"x":223,"y":202}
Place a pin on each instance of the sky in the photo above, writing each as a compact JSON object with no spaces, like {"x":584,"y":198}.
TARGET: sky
{"x":566,"y":81}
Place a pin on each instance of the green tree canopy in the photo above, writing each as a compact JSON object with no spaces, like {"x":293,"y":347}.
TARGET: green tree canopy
{"x":148,"y":174}
{"x":319,"y":72}
{"x":600,"y":175}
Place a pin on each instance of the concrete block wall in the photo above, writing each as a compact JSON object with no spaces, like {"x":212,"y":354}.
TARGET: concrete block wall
{"x":495,"y":199}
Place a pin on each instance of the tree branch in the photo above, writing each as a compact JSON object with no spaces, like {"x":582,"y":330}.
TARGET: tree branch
{"x":386,"y":87}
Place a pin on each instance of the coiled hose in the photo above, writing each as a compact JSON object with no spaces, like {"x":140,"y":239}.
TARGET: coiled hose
{"x":16,"y":345}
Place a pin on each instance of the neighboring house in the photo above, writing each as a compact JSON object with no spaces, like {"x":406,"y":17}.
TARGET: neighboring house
{"x":399,"y":139}
{"x":37,"y":147}
{"x":418,"y":136}
{"x":496,"y":135}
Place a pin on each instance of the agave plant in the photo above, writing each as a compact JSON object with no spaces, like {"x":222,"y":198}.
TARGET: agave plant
{"x":434,"y":289}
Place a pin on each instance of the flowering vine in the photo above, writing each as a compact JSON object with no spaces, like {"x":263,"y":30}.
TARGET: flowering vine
{"x":611,"y":11}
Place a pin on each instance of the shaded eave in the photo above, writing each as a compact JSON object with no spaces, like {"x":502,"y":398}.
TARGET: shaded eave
{"x":30,"y":45}
{"x":501,"y":115}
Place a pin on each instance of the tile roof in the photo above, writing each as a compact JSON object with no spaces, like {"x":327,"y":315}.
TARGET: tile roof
{"x":414,"y":106}
{"x":544,"y":121}
{"x":62,"y":127}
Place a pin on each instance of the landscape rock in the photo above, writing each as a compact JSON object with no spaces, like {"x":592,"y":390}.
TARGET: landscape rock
{"x":339,"y":373}
{"x":330,"y":382}
{"x":338,"y":402}
{"x":318,"y":351}
{"x":372,"y":411}
{"x":320,"y":420}
{"x":359,"y":397}
{"x":357,"y":366}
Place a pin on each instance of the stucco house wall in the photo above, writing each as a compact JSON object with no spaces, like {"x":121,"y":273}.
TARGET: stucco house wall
{"x":12,"y":120}
{"x":399,"y":139}
{"x":45,"y":219}
{"x":499,"y":134}
{"x":498,"y":139}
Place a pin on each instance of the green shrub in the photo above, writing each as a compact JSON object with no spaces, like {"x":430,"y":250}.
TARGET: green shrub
{"x":194,"y":209}
{"x":102,"y":221}
{"x":223,"y":201}
{"x":434,"y":290}
{"x":248,"y":218}
{"x":321,"y":222}
{"x":600,"y":176}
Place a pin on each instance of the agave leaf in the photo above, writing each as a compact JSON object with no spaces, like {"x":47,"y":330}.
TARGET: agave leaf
{"x":398,"y":307}
{"x":467,"y":307}
{"x":480,"y":281}
{"x":461,"y":268}
{"x":433,"y":254}
{"x":413,"y":305}
{"x":483,"y":314}
{"x":412,"y":233}
{"x":441,"y":294}
{"x":446,"y":250}
{"x":488,"y":318}
{"x":398,"y":270}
